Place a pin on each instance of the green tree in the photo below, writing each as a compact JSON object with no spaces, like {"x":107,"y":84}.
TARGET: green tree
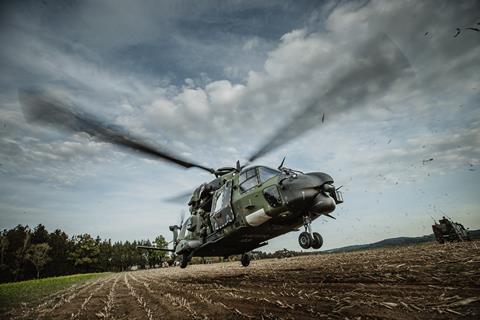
{"x":37,"y":254}
{"x":105,"y":256}
{"x":20,"y":253}
{"x":61,"y":246}
{"x":85,"y":253}
{"x":4,"y":269}
{"x":3,"y":248}
{"x":159,"y":256}
{"x":138,"y":258}
{"x":39,"y":235}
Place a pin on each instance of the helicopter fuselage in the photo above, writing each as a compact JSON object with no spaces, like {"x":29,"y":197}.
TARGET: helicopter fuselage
{"x":239,"y":211}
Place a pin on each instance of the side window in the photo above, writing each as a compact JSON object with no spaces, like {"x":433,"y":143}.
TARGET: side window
{"x":272,"y":196}
{"x":248,"y":179}
{"x":222,"y":214}
{"x":266,"y":173}
{"x":185,"y":226}
{"x":192,"y":224}
{"x":218,"y":205}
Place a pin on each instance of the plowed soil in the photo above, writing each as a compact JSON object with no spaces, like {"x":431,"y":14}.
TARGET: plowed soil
{"x":428,"y":281}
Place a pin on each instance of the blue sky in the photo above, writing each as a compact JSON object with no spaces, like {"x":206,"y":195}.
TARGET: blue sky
{"x":213,"y":80}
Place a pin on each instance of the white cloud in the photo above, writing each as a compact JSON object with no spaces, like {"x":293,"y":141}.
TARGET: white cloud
{"x":221,"y":94}
{"x":251,"y":44}
{"x":194,"y":101}
{"x":390,"y":95}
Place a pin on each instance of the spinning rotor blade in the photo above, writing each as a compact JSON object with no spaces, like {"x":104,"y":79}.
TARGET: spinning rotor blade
{"x":42,"y":108}
{"x":291,"y":130}
{"x":180,"y":198}
{"x":380,"y":64}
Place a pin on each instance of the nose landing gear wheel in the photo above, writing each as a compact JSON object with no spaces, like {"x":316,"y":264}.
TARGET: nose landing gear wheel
{"x":245,"y":260}
{"x":305,"y":240}
{"x":317,"y":241}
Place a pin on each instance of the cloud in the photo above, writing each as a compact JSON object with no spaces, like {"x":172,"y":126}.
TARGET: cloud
{"x":215,"y":85}
{"x":359,"y":60}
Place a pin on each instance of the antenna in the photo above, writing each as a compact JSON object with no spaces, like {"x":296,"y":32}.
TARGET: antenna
{"x":445,"y":214}
{"x":281,"y":164}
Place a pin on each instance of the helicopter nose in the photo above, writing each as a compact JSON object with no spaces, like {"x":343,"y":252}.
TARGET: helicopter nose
{"x":323,"y":204}
{"x":312,"y":192}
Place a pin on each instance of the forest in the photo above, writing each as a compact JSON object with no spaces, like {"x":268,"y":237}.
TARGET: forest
{"x":27,"y":254}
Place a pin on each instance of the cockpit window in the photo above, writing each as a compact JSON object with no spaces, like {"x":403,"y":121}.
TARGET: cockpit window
{"x":185,"y":226}
{"x":248,"y":179}
{"x":272,"y":196}
{"x":266,"y":173}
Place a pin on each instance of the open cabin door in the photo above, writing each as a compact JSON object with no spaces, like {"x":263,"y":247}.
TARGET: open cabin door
{"x":222,"y":213}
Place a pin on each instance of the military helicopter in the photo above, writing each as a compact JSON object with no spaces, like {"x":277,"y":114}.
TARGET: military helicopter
{"x":238,"y":211}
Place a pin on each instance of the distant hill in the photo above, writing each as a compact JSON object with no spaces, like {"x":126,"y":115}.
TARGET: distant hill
{"x":400,"y":241}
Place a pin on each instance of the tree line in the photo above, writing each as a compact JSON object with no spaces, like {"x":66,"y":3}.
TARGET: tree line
{"x":27,"y":254}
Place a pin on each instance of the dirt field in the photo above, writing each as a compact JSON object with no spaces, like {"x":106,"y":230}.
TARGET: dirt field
{"x":428,"y":281}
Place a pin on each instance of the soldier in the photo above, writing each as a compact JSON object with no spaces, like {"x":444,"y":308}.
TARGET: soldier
{"x":205,"y":224}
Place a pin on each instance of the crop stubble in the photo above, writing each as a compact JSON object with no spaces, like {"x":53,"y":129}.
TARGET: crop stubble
{"x":428,"y":281}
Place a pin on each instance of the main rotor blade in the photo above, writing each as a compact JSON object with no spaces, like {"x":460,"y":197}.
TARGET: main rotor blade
{"x":42,"y":108}
{"x":352,"y":87}
{"x":180,"y":198}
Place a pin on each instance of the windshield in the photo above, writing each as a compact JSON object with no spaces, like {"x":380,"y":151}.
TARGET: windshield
{"x":184,"y":228}
{"x":266,"y":173}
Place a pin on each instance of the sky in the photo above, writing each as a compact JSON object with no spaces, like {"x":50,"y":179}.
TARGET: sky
{"x":396,"y":82}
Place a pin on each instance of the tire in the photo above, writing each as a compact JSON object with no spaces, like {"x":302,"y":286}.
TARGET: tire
{"x":245,"y":260}
{"x":184,"y":261}
{"x":317,"y":241}
{"x":305,"y":240}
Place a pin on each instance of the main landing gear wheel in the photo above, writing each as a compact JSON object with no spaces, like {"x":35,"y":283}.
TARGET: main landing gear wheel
{"x":184,"y":261}
{"x":317,"y":240}
{"x":245,"y":260}
{"x":305,"y":240}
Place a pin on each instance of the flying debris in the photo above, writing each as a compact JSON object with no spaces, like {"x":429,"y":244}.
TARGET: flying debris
{"x":428,"y":160}
{"x":458,"y":32}
{"x":426,"y":33}
{"x":469,"y":28}
{"x":323,"y":118}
